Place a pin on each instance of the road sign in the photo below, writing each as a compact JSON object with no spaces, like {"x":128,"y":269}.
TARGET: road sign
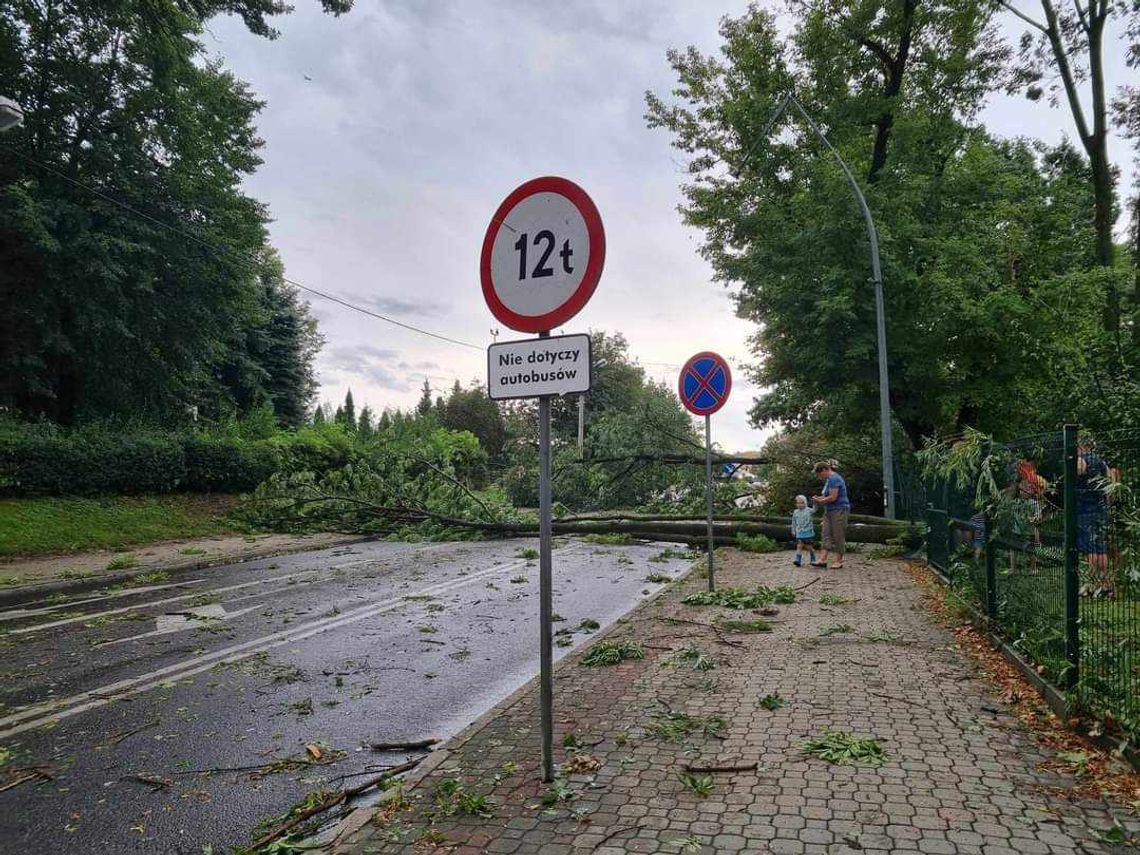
{"x":705,"y":383}
{"x":538,"y":366}
{"x":542,"y":255}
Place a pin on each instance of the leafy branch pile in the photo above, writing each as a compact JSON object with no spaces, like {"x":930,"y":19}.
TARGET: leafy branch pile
{"x":843,"y":749}
{"x":742,"y":598}
{"x":612,"y":653}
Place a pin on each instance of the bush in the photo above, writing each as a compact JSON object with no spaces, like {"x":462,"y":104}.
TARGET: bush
{"x":39,"y":460}
{"x":228,"y":465}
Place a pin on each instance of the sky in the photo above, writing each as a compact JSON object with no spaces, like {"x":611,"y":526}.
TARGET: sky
{"x":393,"y":133}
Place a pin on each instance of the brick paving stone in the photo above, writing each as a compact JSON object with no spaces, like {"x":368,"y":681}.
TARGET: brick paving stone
{"x":956,"y":781}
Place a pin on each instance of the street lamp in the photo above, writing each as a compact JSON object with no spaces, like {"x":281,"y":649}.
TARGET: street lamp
{"x":880,"y":318}
{"x":11,"y":116}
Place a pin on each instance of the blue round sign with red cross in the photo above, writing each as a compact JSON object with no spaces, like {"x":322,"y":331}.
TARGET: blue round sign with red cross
{"x":705,"y":383}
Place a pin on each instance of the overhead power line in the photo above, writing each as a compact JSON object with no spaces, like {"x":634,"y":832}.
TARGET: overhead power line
{"x":241,"y":256}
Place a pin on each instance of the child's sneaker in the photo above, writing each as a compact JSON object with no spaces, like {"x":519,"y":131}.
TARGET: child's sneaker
{"x":797,"y":561}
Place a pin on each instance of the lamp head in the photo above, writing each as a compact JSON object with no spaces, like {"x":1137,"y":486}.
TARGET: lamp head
{"x":11,"y":115}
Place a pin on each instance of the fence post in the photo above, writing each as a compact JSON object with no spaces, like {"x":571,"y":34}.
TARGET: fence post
{"x":991,"y":570}
{"x":1072,"y":565}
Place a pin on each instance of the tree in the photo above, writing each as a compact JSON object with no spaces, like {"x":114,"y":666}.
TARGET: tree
{"x":272,"y":360}
{"x":471,"y":410}
{"x":319,"y":415}
{"x":1059,"y":41}
{"x":366,"y":427}
{"x":107,"y":312}
{"x":424,"y":406}
{"x":973,"y":230}
{"x":348,"y":412}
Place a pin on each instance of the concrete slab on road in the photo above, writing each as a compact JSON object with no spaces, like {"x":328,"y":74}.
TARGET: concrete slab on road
{"x":179,"y":715}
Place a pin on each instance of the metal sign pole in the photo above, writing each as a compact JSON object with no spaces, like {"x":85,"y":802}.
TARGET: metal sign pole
{"x":545,"y":586}
{"x":709,"y":494}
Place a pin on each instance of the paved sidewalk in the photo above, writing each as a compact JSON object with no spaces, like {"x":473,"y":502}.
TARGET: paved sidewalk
{"x":961,"y":774}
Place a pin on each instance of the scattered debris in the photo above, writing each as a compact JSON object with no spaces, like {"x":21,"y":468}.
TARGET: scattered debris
{"x":675,"y":726}
{"x":772,"y":702}
{"x":742,"y":598}
{"x":612,"y":653}
{"x":329,"y":800}
{"x":842,"y":749}
{"x":696,"y":659}
{"x":700,"y":785}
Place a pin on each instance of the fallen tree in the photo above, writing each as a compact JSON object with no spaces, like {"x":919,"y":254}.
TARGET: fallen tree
{"x":436,"y":503}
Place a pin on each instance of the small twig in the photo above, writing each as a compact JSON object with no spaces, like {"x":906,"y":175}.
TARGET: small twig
{"x":896,"y":698}
{"x":809,"y":584}
{"x":747,"y":767}
{"x":154,"y":781}
{"x":115,"y":740}
{"x":26,"y":775}
{"x":620,"y":830}
{"x":261,"y":767}
{"x":403,"y":746}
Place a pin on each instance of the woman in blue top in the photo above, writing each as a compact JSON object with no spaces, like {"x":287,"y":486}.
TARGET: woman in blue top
{"x":836,"y":508}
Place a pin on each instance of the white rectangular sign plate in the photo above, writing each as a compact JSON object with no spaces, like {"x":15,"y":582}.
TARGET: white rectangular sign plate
{"x":535,"y":367}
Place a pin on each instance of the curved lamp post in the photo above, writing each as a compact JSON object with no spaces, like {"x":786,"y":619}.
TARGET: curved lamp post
{"x":790,"y":100}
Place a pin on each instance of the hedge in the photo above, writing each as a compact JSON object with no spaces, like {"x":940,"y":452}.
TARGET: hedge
{"x":37,"y":460}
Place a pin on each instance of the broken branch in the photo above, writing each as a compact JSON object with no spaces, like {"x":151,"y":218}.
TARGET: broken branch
{"x":404,"y":746}
{"x":747,"y":767}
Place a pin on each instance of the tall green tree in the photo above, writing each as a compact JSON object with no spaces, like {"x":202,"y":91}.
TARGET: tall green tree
{"x":471,"y":410}
{"x":972,"y":229}
{"x":424,"y":407}
{"x":104,"y":311}
{"x":1061,"y":55}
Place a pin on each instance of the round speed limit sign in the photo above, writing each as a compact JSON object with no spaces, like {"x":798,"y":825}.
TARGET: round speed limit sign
{"x":542,"y":255}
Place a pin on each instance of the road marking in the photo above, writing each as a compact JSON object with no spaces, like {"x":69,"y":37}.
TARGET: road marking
{"x":56,"y":709}
{"x":135,"y":608}
{"x":194,"y":618}
{"x":13,"y":614}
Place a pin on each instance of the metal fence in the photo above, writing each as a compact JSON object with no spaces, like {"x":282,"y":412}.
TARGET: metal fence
{"x":1044,"y":540}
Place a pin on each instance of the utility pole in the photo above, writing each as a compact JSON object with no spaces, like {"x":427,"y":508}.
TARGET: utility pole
{"x":582,"y":426}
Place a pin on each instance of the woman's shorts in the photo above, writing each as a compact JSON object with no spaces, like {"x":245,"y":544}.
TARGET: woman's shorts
{"x":835,"y":530}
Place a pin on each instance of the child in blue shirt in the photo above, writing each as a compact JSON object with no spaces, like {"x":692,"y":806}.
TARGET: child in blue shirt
{"x":803,"y":529}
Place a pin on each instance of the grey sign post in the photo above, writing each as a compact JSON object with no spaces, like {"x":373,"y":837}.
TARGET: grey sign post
{"x":542,"y":258}
{"x":709,"y":498}
{"x":704,"y":385}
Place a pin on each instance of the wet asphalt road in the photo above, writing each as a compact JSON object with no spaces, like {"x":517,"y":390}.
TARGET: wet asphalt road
{"x":240,"y":667}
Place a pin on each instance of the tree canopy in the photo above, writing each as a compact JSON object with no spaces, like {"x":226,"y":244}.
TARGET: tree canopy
{"x":137,"y":276}
{"x":993,"y":303}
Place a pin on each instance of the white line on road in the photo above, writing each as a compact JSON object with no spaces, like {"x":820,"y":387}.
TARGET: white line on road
{"x":41,"y":714}
{"x":14,"y":614}
{"x":135,"y":608}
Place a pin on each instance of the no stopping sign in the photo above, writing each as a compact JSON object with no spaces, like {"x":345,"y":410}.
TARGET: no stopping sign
{"x":543,"y":255}
{"x":704,"y":383}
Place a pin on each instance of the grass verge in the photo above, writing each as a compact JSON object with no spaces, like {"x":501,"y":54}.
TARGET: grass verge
{"x":46,"y":525}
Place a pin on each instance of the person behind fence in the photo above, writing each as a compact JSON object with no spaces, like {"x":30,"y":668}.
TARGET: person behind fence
{"x":1093,"y":481}
{"x":836,"y":509}
{"x":803,"y":530}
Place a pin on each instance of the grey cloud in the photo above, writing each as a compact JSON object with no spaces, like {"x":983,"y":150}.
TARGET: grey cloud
{"x":400,"y":305}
